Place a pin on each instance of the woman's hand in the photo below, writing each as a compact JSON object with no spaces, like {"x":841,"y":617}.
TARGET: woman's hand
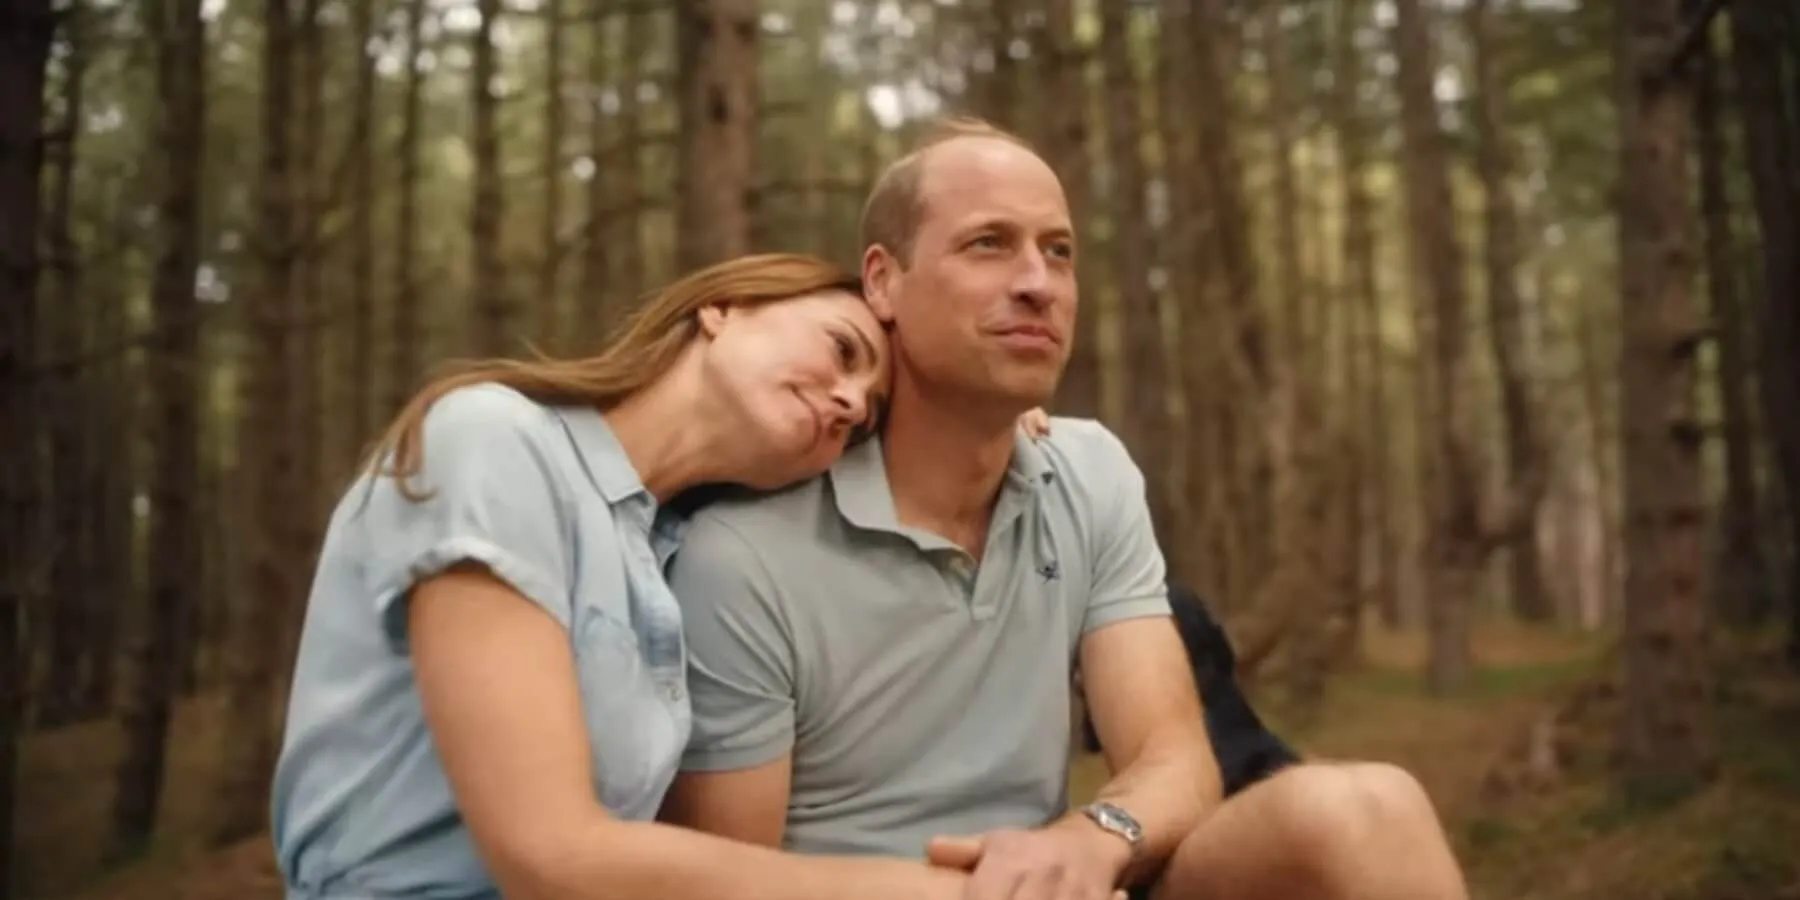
{"x":1036,"y":423}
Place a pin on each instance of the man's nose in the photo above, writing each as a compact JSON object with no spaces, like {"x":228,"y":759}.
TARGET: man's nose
{"x":1032,"y":279}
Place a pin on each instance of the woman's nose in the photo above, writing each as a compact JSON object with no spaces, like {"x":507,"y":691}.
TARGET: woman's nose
{"x":851,"y":401}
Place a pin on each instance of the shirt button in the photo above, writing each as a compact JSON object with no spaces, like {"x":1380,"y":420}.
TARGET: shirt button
{"x":673,"y":692}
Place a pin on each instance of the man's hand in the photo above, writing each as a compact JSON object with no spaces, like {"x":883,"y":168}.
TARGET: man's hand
{"x":1071,"y":860}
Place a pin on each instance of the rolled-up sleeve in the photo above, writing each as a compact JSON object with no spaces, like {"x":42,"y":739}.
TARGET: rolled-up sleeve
{"x":492,"y":499}
{"x":740,"y":651}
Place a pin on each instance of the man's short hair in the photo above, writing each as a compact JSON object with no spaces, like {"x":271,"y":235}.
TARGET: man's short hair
{"x":891,"y":215}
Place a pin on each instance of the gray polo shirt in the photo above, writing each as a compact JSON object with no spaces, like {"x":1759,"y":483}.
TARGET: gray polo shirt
{"x":919,"y":692}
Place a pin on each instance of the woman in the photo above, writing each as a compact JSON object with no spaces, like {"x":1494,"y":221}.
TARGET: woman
{"x":488,"y":697}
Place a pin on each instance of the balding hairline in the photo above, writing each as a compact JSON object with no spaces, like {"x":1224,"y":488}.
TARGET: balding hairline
{"x":895,"y":206}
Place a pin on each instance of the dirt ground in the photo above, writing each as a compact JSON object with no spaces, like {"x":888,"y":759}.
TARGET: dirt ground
{"x":1516,"y":765}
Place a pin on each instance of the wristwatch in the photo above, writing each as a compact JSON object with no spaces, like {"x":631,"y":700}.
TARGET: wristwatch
{"x":1111,"y":818}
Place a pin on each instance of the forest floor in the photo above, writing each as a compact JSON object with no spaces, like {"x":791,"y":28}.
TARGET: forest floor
{"x":1516,"y":763}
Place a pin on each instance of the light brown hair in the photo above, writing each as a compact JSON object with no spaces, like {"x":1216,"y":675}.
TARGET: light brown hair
{"x":639,"y":352}
{"x":892,"y":213}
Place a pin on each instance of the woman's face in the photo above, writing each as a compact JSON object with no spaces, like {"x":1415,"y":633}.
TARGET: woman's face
{"x":805,"y":376}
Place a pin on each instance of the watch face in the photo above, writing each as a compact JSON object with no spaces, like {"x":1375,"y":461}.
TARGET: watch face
{"x":1115,"y":819}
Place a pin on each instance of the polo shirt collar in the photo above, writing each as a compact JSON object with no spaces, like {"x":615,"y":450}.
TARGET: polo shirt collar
{"x":602,"y":456}
{"x":864,"y":498}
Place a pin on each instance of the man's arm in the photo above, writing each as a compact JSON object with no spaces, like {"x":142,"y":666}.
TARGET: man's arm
{"x":744,"y":804}
{"x":1135,"y":671}
{"x":736,"y":773}
{"x":1148,"y":716}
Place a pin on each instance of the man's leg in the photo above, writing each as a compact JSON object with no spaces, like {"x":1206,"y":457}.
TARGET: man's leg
{"x":1318,"y":831}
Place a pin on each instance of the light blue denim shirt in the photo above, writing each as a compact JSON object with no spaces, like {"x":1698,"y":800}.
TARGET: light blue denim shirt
{"x":547,"y":499}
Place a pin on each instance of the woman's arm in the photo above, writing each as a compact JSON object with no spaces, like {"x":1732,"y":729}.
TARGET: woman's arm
{"x":500,"y":694}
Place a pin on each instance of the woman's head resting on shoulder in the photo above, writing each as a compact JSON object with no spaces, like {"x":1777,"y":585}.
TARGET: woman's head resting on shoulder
{"x":758,"y":371}
{"x":789,"y":366}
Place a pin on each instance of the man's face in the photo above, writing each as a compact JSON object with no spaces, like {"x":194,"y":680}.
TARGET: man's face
{"x":986,"y":309}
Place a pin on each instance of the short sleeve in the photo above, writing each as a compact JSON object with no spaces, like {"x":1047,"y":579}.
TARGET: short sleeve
{"x":1129,"y":579}
{"x":741,"y":673}
{"x":492,"y":498}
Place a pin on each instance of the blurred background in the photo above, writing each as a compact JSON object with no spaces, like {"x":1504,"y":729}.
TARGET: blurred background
{"x":1458,"y":340}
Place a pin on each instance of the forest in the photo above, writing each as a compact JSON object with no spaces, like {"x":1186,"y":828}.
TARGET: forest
{"x":1459,"y":341}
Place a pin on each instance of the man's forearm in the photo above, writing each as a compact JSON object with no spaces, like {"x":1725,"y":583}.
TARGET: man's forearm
{"x":1169,"y":786}
{"x":658,"y":860}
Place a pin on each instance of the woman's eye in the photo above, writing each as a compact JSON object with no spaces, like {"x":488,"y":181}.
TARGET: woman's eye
{"x":846,"y":350}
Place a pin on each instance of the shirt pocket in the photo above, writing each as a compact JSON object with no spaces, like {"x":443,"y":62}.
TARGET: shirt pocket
{"x":635,"y":732}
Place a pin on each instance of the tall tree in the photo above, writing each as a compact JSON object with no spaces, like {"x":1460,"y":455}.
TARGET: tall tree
{"x":27,"y":28}
{"x":1764,"y":34}
{"x":1663,"y":733}
{"x":1742,"y":570}
{"x":160,"y":649}
{"x":70,"y":411}
{"x":597,"y":257}
{"x":273,"y":461}
{"x":362,"y":370}
{"x":1066,"y":148}
{"x":1527,"y":469}
{"x":1350,"y":120}
{"x":404,"y":331}
{"x":1132,"y":254}
{"x":549,"y":274}
{"x":495,"y":312}
{"x":716,"y":58}
{"x":1454,"y":549}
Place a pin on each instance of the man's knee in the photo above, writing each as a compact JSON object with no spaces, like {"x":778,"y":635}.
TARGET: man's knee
{"x":1352,"y":808}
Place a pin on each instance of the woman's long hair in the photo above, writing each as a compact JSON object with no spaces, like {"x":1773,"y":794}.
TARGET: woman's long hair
{"x":635,"y":356}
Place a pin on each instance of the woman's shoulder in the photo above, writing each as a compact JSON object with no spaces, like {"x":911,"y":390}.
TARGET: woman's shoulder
{"x":485,"y":406}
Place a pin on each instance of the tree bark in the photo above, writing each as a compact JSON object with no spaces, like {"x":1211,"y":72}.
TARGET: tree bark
{"x":271,"y":458}
{"x":1363,"y":285}
{"x":72,"y":566}
{"x":716,"y":49}
{"x":1743,"y":590}
{"x":1764,"y":34}
{"x":596,"y":257}
{"x":1664,"y":734}
{"x":160,"y":650}
{"x":1454,"y":544}
{"x":1146,"y":416}
{"x":362,"y":371}
{"x":26,"y":30}
{"x":549,"y":275}
{"x":404,"y":332}
{"x":1527,"y":466}
{"x":1068,"y":154}
{"x":496,"y":313}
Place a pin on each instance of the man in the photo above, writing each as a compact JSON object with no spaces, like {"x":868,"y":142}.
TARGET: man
{"x":880,"y":659}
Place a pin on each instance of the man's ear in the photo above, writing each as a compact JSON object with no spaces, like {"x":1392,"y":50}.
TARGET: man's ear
{"x":712,"y":319}
{"x":879,"y":269}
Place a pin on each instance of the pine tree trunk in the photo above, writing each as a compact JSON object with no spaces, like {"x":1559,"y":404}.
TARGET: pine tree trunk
{"x":26,"y":30}
{"x":1743,"y":588}
{"x":1454,"y":543}
{"x":1664,"y":733}
{"x":161,"y":646}
{"x":272,"y":461}
{"x":716,"y":43}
